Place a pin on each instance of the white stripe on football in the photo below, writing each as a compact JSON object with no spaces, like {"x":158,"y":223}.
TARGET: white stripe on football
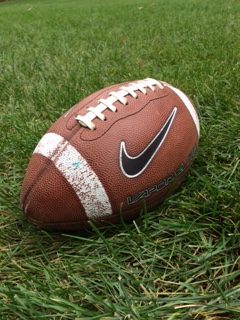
{"x":77,"y":172}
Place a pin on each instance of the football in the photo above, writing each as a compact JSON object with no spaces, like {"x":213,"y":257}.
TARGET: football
{"x":124,"y":147}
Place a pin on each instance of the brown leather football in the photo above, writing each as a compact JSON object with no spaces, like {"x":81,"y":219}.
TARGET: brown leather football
{"x":120,"y":148}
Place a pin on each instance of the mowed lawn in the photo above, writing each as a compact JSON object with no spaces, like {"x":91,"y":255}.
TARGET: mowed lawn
{"x":180,"y":262}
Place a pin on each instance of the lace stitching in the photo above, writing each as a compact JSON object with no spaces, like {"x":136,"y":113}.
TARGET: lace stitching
{"x":114,"y":96}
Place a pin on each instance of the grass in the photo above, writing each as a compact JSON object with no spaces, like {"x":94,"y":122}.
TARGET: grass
{"x":180,"y":262}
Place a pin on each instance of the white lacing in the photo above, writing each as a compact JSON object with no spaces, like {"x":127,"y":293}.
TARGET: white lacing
{"x":130,"y":89}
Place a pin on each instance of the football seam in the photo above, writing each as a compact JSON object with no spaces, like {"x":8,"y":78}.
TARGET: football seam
{"x":31,"y":186}
{"x":66,"y":183}
{"x":139,"y":110}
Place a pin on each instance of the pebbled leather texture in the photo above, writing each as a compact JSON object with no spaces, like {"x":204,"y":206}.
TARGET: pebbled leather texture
{"x":49,"y":201}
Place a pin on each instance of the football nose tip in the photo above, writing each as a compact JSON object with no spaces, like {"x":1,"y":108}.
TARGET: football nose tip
{"x":52,"y":203}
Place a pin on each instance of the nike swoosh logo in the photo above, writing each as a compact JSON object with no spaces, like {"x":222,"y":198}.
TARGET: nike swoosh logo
{"x":134,"y":166}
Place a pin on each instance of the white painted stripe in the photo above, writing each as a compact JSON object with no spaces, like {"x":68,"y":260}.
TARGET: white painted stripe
{"x":188,"y":105}
{"x":78,"y":173}
{"x":48,"y":144}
